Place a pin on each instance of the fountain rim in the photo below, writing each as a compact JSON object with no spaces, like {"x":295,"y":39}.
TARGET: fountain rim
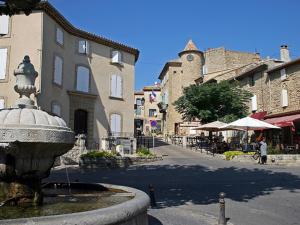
{"x":103,"y":216}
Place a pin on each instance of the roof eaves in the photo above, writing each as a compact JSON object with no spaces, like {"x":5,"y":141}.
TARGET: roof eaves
{"x":284,"y":65}
{"x":166,"y":67}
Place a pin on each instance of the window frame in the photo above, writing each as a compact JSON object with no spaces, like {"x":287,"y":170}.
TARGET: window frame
{"x":62,"y":71}
{"x":154,"y":112}
{"x":63,"y":36}
{"x":76,"y":73}
{"x":6,"y":78}
{"x":88,"y":47}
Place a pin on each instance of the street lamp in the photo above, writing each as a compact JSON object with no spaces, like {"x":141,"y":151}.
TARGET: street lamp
{"x":11,"y":7}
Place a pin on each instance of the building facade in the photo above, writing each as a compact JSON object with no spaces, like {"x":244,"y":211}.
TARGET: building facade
{"x":194,"y":66}
{"x":86,"y":79}
{"x":147,"y":116}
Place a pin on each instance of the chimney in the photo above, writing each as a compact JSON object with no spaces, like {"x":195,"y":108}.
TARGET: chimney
{"x":284,"y":53}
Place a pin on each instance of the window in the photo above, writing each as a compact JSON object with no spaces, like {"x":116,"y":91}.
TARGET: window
{"x":254,"y":103}
{"x":83,"y":79}
{"x":83,"y":47}
{"x":2,"y":103}
{"x":284,"y":98}
{"x":116,"y":86}
{"x":115,"y":124}
{"x":152,"y":113}
{"x":56,"y":109}
{"x":251,"y":80}
{"x":138,"y":111}
{"x":283,"y":74}
{"x":116,"y":57}
{"x":138,"y":102}
{"x":4,"y":25}
{"x":59,"y":36}
{"x":58,"y":70}
{"x":204,"y":70}
{"x":3,"y":63}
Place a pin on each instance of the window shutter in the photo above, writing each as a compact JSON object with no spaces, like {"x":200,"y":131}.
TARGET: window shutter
{"x":113,"y":86}
{"x":254,"y":103}
{"x":204,"y":69}
{"x":2,"y":104}
{"x":58,"y":70}
{"x":59,"y":36}
{"x":118,"y":123}
{"x":115,"y":123}
{"x":282,"y":74}
{"x":3,"y":62}
{"x":119,"y":86}
{"x":284,"y":98}
{"x":83,"y":79}
{"x":116,"y":57}
{"x":4,"y":24}
{"x":83,"y":47}
{"x":56,"y":109}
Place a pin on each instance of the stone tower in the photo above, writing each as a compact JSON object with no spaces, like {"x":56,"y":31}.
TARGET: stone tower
{"x":192,"y":63}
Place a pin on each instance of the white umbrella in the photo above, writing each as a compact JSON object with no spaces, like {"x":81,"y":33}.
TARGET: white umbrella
{"x":213,"y":126}
{"x":249,"y":123}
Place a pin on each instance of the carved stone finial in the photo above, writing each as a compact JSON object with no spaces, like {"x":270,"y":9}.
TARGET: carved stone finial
{"x":25,"y":79}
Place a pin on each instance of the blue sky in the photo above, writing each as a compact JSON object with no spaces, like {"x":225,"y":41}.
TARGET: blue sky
{"x":161,"y":28}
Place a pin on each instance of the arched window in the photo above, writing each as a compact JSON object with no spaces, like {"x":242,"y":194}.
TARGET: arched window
{"x":83,"y":79}
{"x":115,"y":124}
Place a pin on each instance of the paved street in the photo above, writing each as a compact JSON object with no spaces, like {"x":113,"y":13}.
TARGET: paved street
{"x":187,"y":185}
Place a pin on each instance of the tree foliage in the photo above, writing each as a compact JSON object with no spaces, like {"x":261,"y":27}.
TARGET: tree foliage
{"x":209,"y":102}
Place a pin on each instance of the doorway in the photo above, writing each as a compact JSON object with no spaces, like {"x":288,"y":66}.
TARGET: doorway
{"x":81,"y":122}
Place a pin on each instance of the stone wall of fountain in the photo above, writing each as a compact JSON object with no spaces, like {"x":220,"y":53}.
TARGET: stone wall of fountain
{"x":30,"y":139}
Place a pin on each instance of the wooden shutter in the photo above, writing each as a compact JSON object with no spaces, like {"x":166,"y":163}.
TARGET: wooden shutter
{"x":83,"y":79}
{"x":83,"y":47}
{"x":59,"y":36}
{"x":4,"y":24}
{"x":56,"y":109}
{"x":116,"y":57}
{"x":282,"y":74}
{"x":113,"y":85}
{"x":2,"y":103}
{"x":3,"y":63}
{"x":58,"y":70}
{"x":115,"y":123}
{"x":119,"y":86}
{"x":254,"y":103}
{"x":284,"y":98}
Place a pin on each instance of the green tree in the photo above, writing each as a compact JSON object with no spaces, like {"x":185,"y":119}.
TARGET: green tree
{"x":209,"y":102}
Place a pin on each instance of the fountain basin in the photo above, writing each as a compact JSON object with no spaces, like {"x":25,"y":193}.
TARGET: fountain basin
{"x":130,"y":212}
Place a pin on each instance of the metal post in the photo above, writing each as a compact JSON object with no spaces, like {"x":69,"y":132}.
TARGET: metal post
{"x":222,"y":219}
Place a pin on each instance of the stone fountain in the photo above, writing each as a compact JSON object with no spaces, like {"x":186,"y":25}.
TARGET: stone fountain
{"x":30,"y":140}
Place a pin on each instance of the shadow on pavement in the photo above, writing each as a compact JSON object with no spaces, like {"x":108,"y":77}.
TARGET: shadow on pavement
{"x":153,"y":221}
{"x":193,"y":184}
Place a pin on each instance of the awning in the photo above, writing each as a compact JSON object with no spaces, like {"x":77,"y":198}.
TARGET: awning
{"x":283,"y":121}
{"x":259,"y":115}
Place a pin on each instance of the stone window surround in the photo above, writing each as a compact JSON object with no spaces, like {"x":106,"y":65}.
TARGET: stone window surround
{"x":75,"y":80}
{"x":117,"y":113}
{"x":56,"y":27}
{"x":9,"y":28}
{"x":53,"y":70}
{"x":7,"y":64}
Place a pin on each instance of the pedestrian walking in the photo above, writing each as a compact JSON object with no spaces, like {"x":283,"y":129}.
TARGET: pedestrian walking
{"x":263,"y":150}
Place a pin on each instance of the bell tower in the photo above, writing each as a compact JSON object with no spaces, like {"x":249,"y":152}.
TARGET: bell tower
{"x":192,"y":62}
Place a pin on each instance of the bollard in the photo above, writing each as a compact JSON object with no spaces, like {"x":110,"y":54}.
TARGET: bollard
{"x":152,"y":196}
{"x":222,"y":219}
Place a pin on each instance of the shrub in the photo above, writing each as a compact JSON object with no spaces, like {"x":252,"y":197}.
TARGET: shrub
{"x":230,"y":154}
{"x":97,"y":154}
{"x":144,"y":152}
{"x":273,"y":151}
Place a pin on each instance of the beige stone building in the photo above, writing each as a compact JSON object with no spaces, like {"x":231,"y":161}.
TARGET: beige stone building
{"x":86,"y":79}
{"x":147,"y":110}
{"x":194,"y":66}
